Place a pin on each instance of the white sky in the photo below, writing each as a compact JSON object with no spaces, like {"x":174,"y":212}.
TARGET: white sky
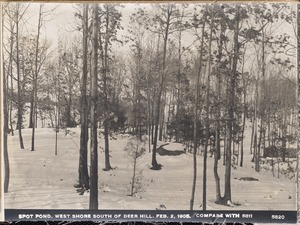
{"x":62,"y":22}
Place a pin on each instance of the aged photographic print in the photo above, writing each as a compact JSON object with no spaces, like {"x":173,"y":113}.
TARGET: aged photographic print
{"x":159,"y":107}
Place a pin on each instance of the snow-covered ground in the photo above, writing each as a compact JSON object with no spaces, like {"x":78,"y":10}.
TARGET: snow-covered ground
{"x":41,"y":180}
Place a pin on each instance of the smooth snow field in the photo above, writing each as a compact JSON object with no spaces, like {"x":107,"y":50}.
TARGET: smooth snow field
{"x":41,"y":180}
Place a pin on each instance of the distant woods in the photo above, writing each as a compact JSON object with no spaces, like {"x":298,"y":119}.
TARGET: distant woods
{"x":196,"y":74}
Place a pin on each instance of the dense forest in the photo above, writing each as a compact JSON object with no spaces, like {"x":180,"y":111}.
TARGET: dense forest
{"x":202,"y":75}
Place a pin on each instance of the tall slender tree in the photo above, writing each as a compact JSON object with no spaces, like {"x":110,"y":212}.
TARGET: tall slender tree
{"x":18,"y":17}
{"x":230,"y":122}
{"x":38,"y":62}
{"x":207,"y":118}
{"x":165,"y":22}
{"x":83,"y":169}
{"x":5,"y":124}
{"x":220,"y":67}
{"x":94,"y":114}
{"x":35,"y":77}
{"x":197,"y":90}
{"x":105,"y":88}
{"x":4,"y":110}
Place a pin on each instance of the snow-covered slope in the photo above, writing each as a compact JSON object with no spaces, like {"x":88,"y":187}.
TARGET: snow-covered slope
{"x":41,"y":180}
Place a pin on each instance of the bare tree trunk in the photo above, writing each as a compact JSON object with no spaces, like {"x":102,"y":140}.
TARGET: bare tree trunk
{"x":31,"y":110}
{"x":148,"y":115}
{"x":255,"y":144}
{"x":224,"y":149}
{"x":272,"y":149}
{"x":269,"y":132}
{"x":152,"y":122}
{"x":34,"y":100}
{"x":83,"y":168}
{"x":11,"y":105}
{"x":94,"y":114}
{"x":11,"y":76}
{"x":20,"y":100}
{"x":178,"y":103}
{"x":242,"y":134}
{"x":197,"y":90}
{"x":278,"y":170}
{"x":284,"y":134}
{"x":134,"y":168}
{"x":255,"y":135}
{"x":5,"y":126}
{"x":57,"y":108}
{"x":162,"y":115}
{"x":244,"y":112}
{"x":106,"y":111}
{"x":154,"y":163}
{"x":262,"y":116}
{"x":169,"y":117}
{"x":252,"y":136}
{"x":257,"y":166}
{"x":227,"y":193}
{"x":217,"y":147}
{"x":155,"y":125}
{"x":207,"y":122}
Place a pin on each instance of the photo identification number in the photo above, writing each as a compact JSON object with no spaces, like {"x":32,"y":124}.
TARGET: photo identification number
{"x":278,"y":217}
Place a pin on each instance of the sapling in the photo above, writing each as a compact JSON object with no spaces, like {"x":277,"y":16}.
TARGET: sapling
{"x":135,"y":148}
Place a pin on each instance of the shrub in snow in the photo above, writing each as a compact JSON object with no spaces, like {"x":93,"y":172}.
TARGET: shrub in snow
{"x":135,"y":148}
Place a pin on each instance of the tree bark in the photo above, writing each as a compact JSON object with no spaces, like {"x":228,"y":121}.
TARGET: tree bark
{"x":242,"y":134}
{"x":244,"y":112}
{"x":197,"y":90}
{"x":162,"y":115}
{"x":227,"y":193}
{"x":11,"y":76}
{"x":148,"y":113}
{"x":284,"y":134}
{"x":83,"y":168}
{"x":134,"y":168}
{"x":252,"y":136}
{"x":5,"y":128}
{"x":217,"y":147}
{"x":20,"y":100}
{"x":94,"y":114}
{"x":178,"y":103}
{"x":207,"y":122}
{"x":34,"y":99}
{"x":106,"y":110}
{"x":31,"y":111}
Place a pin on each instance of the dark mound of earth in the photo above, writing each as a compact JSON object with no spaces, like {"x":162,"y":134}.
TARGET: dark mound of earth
{"x":247,"y":179}
{"x":163,"y":152}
